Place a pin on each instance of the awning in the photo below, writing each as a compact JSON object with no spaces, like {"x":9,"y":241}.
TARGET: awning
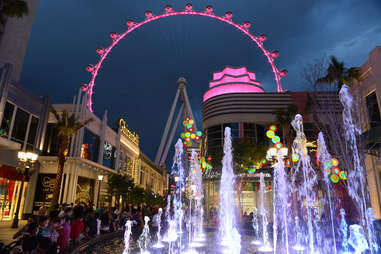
{"x":11,"y":173}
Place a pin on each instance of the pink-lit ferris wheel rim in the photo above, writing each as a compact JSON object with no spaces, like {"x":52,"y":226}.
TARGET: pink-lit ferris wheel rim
{"x":103,"y":52}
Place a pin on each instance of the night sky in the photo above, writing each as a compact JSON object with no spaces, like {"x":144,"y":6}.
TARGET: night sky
{"x":138,"y":80}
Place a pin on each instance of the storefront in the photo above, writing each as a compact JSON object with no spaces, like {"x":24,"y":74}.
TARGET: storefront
{"x":10,"y":183}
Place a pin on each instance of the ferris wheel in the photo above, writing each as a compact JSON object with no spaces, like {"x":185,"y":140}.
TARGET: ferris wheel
{"x":258,"y":40}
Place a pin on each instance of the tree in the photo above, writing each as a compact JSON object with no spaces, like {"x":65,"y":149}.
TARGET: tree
{"x":12,"y":8}
{"x":67,"y":126}
{"x":120,"y":186}
{"x":283,"y":119}
{"x":338,"y":74}
{"x":247,"y":153}
{"x":138,"y":196}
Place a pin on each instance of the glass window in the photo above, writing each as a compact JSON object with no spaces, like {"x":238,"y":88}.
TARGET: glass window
{"x":373,"y":110}
{"x":7,"y":118}
{"x":51,"y":140}
{"x":20,"y":126}
{"x":90,"y":146}
{"x":32,"y":133}
{"x":109,"y":155}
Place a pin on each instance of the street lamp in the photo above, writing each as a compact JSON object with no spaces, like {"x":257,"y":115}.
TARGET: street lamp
{"x":100,"y":178}
{"x":27,"y":158}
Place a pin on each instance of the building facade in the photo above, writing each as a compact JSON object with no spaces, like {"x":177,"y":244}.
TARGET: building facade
{"x":96,"y":150}
{"x":239,"y":102}
{"x":23,"y":118}
{"x":368,"y":90}
{"x":14,"y":39}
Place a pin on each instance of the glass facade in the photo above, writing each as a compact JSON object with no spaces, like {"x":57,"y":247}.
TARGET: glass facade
{"x":20,"y":126}
{"x":32,"y":134}
{"x":109,"y":155}
{"x":51,"y":142}
{"x":7,"y":118}
{"x":90,"y":146}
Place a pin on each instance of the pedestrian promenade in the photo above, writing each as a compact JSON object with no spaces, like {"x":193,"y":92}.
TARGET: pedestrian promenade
{"x":6,"y":232}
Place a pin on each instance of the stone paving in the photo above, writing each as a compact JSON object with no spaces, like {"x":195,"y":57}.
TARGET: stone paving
{"x":6,"y":232}
{"x":115,"y":246}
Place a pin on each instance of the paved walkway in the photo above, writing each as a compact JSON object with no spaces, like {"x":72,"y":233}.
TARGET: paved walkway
{"x":6,"y":232}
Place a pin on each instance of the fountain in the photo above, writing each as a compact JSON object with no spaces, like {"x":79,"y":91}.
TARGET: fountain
{"x":344,"y":232}
{"x":255,"y":225}
{"x":281,"y":200}
{"x":228,"y":233}
{"x":303,"y":166}
{"x":266,"y":247}
{"x":159,"y":244}
{"x":178,"y":172}
{"x":145,"y":238}
{"x":298,"y":237}
{"x":323,"y":156}
{"x":196,"y":201}
{"x":127,"y":236}
{"x":357,"y":187}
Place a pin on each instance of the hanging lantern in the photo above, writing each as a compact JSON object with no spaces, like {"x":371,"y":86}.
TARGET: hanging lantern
{"x":193,"y":136}
{"x":199,"y":133}
{"x":197,"y":138}
{"x":335,"y":170}
{"x":187,"y":134}
{"x":270,"y":134}
{"x":191,"y":121}
{"x":264,"y":162}
{"x":334,"y":178}
{"x":335,"y":162}
{"x":343,"y":175}
{"x":278,"y":145}
{"x":275,"y":139}
{"x":288,"y":163}
{"x":295,"y":157}
{"x":273,"y":127}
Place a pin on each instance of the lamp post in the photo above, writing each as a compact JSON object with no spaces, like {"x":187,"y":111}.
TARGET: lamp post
{"x":27,"y":160}
{"x":100,"y":178}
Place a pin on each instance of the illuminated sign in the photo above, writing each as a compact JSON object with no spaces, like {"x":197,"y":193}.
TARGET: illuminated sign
{"x":130,"y":135}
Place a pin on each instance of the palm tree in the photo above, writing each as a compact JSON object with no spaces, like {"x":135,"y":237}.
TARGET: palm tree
{"x":338,"y":74}
{"x":67,"y":126}
{"x":12,"y":8}
{"x":283,"y":119}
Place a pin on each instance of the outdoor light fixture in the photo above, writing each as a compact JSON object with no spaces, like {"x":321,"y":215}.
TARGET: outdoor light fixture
{"x":284,"y":151}
{"x":177,"y":179}
{"x":272,"y":152}
{"x":100,"y":178}
{"x":27,"y":156}
{"x":27,"y":159}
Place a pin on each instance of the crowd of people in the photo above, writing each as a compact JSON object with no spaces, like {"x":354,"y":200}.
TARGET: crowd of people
{"x":60,"y":230}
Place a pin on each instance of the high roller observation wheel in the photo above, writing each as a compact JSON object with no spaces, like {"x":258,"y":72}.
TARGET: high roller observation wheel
{"x":227,"y":18}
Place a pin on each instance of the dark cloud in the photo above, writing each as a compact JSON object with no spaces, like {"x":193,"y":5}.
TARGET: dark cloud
{"x":138,"y":80}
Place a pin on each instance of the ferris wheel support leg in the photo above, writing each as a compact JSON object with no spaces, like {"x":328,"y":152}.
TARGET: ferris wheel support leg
{"x":171,"y":136}
{"x":188,"y":108}
{"x":165,"y":134}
